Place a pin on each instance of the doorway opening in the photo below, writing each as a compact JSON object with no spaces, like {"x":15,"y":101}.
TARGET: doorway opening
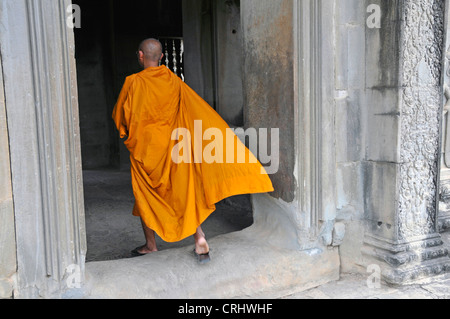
{"x":105,"y":54}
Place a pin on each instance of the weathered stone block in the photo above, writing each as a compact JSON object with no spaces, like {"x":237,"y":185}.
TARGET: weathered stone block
{"x":356,"y":56}
{"x":342,"y":62}
{"x":381,"y":197}
{"x":338,"y":234}
{"x":268,"y":68}
{"x":349,"y":187}
{"x":350,"y":12}
{"x":382,"y":53}
{"x":7,"y":227}
{"x":350,"y":126}
{"x":350,"y":248}
{"x":383,"y":125}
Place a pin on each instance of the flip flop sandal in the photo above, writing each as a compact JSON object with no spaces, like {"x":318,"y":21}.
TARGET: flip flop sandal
{"x":136,"y":253}
{"x":202,"y":258}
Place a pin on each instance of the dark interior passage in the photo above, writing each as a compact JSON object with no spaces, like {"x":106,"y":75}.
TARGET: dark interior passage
{"x":106,"y":46}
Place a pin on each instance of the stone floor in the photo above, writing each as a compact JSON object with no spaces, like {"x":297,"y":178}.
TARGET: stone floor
{"x":112,"y":231}
{"x":355,"y":286}
{"x":243,"y":260}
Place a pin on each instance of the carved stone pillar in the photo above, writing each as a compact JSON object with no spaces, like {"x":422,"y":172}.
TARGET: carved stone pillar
{"x":37,"y":56}
{"x":403,"y":170}
{"x":444,"y":187}
{"x":305,"y":184}
{"x":444,"y":190}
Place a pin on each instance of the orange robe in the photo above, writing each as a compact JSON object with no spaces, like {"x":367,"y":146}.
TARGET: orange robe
{"x":172,"y":198}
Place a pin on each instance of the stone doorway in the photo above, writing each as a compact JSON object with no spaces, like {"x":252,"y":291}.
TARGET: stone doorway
{"x":105,"y":55}
{"x":280,"y":251}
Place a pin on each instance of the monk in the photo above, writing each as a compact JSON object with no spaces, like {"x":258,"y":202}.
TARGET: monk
{"x":177,"y":176}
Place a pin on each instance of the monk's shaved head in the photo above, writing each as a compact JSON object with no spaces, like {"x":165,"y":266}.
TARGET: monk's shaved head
{"x":152,"y":49}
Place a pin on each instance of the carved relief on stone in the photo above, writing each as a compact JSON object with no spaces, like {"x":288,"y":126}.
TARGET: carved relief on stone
{"x":422,"y":47}
{"x":444,"y":195}
{"x":446,"y":120}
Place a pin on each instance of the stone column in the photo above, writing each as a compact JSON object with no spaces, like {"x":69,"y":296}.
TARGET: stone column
{"x":8,"y":265}
{"x":444,"y":190}
{"x":288,"y":63}
{"x":37,"y":55}
{"x":404,"y":78}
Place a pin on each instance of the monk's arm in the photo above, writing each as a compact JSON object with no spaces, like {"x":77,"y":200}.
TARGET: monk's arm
{"x":120,"y":110}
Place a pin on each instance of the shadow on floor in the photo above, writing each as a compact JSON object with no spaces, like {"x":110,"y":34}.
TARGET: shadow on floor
{"x":112,"y":230}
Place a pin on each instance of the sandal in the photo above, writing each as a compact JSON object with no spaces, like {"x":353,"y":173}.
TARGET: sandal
{"x":136,"y":253}
{"x":202,"y":258}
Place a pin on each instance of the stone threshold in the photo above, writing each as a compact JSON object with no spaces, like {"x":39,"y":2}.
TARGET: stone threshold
{"x":242,"y":267}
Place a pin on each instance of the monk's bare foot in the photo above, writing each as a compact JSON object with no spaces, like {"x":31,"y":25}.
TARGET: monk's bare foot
{"x":201,"y":245}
